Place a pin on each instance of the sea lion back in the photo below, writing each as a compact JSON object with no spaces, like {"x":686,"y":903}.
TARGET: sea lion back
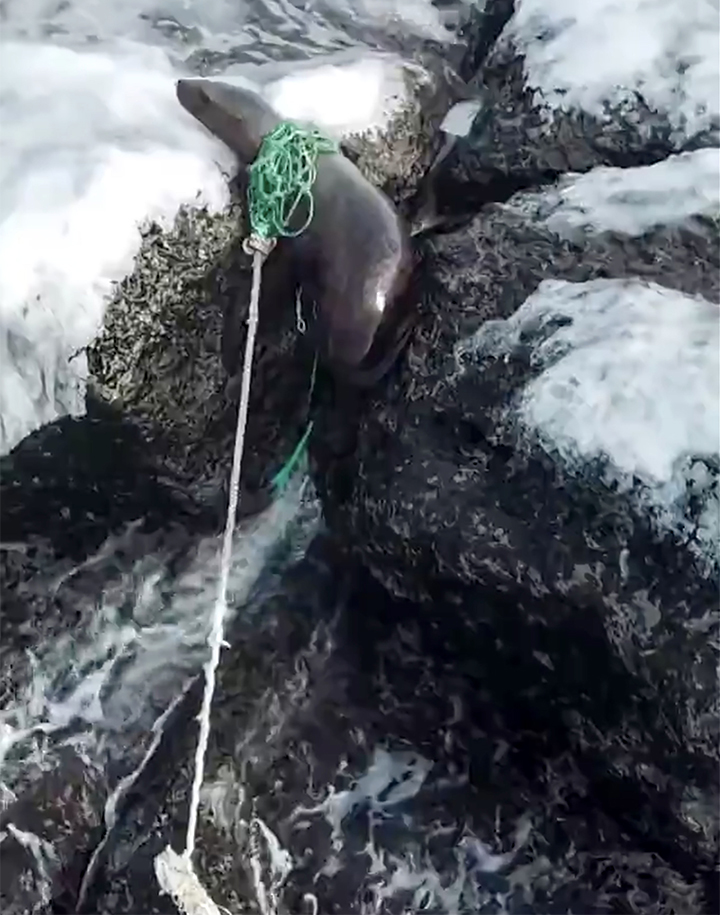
{"x":364,"y":253}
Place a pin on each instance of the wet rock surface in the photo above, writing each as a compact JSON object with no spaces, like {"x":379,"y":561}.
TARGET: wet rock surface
{"x":47,"y":837}
{"x":365,"y":753}
{"x":158,"y":360}
{"x":443,"y":497}
{"x":80,"y":511}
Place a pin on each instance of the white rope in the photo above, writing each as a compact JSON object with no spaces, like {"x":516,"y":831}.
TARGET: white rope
{"x":175,"y":872}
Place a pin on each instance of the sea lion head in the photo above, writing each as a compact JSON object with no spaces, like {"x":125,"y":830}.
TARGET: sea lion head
{"x":236,"y":115}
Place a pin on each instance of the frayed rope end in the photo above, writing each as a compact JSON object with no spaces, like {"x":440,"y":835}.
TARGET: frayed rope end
{"x":178,"y":880}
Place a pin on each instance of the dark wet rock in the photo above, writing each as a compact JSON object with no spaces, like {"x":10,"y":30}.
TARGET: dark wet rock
{"x":63,"y":491}
{"x":519,"y":140}
{"x":74,"y":481}
{"x":46,"y":835}
{"x":158,"y":360}
{"x":81,"y":514}
{"x":397,"y":158}
{"x":478,"y":34}
{"x":432,"y":485}
{"x":365,"y":752}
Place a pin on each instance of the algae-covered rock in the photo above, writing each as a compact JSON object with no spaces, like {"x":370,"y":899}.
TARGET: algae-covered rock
{"x":396,"y":157}
{"x":547,"y":457}
{"x":158,"y":357}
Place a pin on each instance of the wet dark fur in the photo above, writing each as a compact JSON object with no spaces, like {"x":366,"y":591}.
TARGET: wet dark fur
{"x":355,"y":239}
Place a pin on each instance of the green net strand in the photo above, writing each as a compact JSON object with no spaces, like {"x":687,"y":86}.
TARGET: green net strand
{"x":281,"y":479}
{"x":284,"y":475}
{"x":282,"y":177}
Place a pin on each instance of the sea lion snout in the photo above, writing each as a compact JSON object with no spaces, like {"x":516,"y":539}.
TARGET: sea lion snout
{"x":238,"y":116}
{"x":191,"y":94}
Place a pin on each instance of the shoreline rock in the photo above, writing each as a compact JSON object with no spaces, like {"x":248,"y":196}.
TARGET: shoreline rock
{"x":376,"y":754}
{"x":434,"y":484}
{"x":552,"y":691}
{"x":543,"y":114}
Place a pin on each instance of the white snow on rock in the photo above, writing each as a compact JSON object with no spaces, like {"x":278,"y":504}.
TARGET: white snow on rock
{"x":632,"y":375}
{"x":629,"y":200}
{"x":583,"y":55}
{"x":92,"y":145}
{"x":459,"y":119}
{"x":345,"y":96}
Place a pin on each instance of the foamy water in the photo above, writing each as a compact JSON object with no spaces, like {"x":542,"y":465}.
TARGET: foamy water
{"x":630,"y":200}
{"x":115,"y":671}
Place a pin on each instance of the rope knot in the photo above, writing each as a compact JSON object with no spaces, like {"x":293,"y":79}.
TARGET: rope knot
{"x":256,"y":244}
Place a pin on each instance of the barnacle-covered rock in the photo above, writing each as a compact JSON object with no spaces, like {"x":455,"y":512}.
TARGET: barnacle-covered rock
{"x":546,"y":459}
{"x":158,"y":357}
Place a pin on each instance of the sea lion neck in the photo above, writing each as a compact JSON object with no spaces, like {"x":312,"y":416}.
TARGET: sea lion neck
{"x":237,"y":116}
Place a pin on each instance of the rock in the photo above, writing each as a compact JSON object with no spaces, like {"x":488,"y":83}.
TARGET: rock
{"x":478,"y":32}
{"x":544,"y":111}
{"x":66,"y":490}
{"x":107,"y":581}
{"x":46,"y":836}
{"x":547,"y":458}
{"x":158,"y":361}
{"x":397,"y":157}
{"x":392,"y":133}
{"x":365,"y":753}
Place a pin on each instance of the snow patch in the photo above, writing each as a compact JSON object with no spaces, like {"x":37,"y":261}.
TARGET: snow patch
{"x":585,"y":55}
{"x":459,"y":119}
{"x":630,"y":372}
{"x":629,"y":200}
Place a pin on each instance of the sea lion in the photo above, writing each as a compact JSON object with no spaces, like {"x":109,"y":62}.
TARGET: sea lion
{"x":353,"y":261}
